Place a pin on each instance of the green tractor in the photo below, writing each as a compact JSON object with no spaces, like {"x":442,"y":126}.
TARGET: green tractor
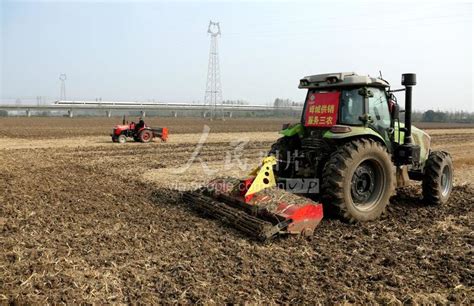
{"x":350,"y":140}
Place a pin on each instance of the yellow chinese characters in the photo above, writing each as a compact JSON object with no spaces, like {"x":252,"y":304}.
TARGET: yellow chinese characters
{"x":321,"y":109}
{"x":322,"y":114}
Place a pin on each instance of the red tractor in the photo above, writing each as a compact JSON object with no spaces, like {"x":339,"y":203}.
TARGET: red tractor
{"x":138,"y":131}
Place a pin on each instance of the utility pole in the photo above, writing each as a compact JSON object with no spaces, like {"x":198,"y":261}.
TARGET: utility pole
{"x":62,"y":94}
{"x":213,"y":97}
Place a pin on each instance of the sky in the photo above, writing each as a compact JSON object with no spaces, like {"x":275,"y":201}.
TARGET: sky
{"x":159,"y":50}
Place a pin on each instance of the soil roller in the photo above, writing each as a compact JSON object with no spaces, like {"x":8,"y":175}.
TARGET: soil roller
{"x":255,"y":205}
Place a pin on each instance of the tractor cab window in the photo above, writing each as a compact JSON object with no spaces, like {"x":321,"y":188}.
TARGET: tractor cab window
{"x":351,"y":107}
{"x":378,"y":109}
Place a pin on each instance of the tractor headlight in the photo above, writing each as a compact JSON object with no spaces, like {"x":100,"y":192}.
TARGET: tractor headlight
{"x":304,"y":83}
{"x":340,"y":129}
{"x":331,"y":80}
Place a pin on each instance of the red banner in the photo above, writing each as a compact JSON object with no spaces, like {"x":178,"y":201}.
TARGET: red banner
{"x":321,"y":109}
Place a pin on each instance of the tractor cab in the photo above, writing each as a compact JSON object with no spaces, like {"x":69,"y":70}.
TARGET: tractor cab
{"x":347,"y":104}
{"x":347,"y":99}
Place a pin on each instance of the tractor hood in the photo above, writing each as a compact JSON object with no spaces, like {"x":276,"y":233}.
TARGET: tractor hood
{"x":119,"y":128}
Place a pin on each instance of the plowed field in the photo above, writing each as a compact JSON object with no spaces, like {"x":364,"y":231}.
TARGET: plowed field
{"x":85,"y":220}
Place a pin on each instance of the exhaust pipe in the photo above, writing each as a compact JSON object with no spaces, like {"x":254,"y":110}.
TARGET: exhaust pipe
{"x":408,"y":80}
{"x":408,"y":152}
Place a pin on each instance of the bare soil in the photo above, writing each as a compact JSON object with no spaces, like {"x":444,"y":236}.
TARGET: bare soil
{"x":59,"y":127}
{"x":95,"y":222}
{"x":443,"y":125}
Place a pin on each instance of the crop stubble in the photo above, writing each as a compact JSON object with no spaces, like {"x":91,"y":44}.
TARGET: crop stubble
{"x":99,"y":224}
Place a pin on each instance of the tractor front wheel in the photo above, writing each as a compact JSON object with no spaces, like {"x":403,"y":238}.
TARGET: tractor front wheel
{"x":358,"y":180}
{"x":438,"y":179}
{"x":146,"y":136}
{"x":122,"y":139}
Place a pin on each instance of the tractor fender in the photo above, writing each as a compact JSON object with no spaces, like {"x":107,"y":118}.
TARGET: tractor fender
{"x":358,"y":132}
{"x":289,"y":130}
{"x":420,"y":138}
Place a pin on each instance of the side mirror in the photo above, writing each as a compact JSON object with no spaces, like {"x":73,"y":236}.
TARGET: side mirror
{"x":395,"y":111}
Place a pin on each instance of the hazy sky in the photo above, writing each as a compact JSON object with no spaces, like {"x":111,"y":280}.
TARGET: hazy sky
{"x":159,"y":50}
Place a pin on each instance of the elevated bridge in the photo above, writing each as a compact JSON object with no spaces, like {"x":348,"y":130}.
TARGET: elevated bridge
{"x":108,"y":107}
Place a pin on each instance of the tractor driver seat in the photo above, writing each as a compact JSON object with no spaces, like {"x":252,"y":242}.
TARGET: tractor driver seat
{"x":140,"y":125}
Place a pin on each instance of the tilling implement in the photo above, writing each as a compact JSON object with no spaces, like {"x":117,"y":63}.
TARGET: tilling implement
{"x":256,"y":206}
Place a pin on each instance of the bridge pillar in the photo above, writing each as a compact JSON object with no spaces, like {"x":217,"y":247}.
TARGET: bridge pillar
{"x":108,"y":113}
{"x":28,"y":113}
{"x":143,"y":114}
{"x":70,"y":113}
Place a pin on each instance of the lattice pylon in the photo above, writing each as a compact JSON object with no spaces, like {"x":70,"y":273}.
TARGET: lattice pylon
{"x":213,"y":96}
{"x":62,"y":93}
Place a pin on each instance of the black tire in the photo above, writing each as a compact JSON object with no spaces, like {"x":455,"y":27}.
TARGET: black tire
{"x":281,"y":149}
{"x":114,"y":139}
{"x":438,"y":178}
{"x":146,"y":136}
{"x":358,"y":180}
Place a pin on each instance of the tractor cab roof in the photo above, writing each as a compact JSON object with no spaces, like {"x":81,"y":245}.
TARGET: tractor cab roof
{"x":340,"y":79}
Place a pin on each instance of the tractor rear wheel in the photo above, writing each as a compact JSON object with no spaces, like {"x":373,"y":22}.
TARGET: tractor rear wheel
{"x":146,"y":136}
{"x":122,"y":139}
{"x":358,"y":180}
{"x":438,"y":179}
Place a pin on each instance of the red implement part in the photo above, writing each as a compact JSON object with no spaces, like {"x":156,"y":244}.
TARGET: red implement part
{"x":304,"y":217}
{"x":293,"y":218}
{"x":164,"y":134}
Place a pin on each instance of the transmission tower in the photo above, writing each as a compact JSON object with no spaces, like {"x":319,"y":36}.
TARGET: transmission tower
{"x":62,"y":94}
{"x":213,"y":96}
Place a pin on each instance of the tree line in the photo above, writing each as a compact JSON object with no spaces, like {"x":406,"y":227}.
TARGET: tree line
{"x":417,"y":116}
{"x":279,"y":103}
{"x":443,"y":116}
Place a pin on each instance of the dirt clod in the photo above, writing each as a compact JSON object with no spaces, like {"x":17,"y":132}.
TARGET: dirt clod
{"x":85,"y":224}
